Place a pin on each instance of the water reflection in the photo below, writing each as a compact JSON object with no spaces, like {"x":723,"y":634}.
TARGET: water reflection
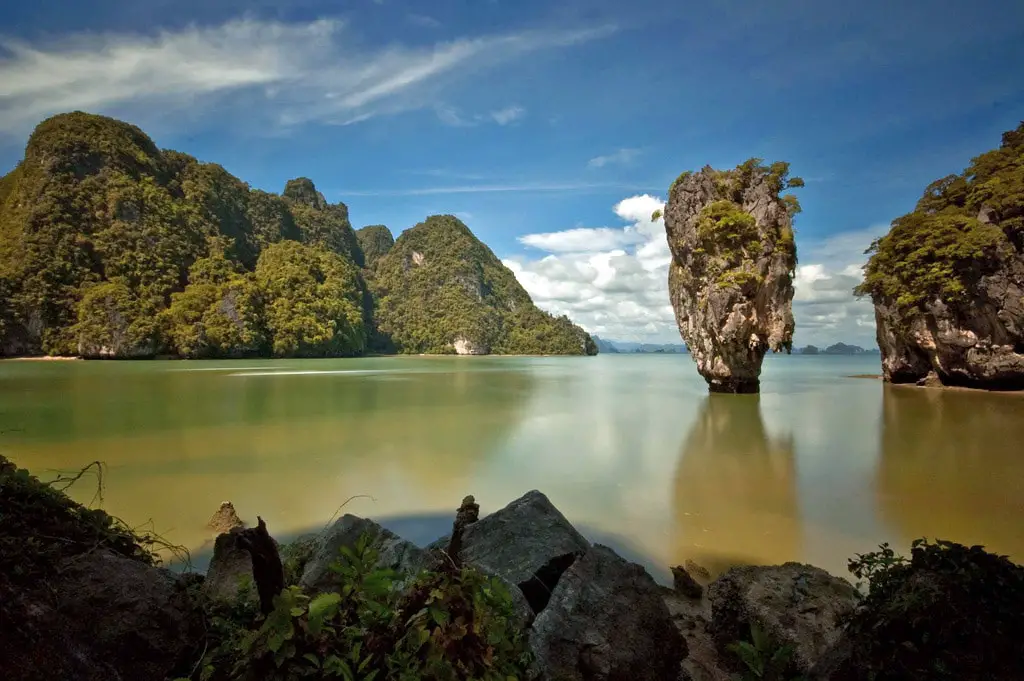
{"x":952,"y":465}
{"x":735,"y":492}
{"x":290,"y":448}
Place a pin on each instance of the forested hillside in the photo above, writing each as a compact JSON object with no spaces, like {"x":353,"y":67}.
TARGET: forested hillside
{"x":111,"y":247}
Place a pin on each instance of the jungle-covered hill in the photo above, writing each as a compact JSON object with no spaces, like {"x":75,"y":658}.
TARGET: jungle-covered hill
{"x":112,"y":247}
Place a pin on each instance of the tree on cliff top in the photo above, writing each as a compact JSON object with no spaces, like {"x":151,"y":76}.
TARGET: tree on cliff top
{"x":961,"y":229}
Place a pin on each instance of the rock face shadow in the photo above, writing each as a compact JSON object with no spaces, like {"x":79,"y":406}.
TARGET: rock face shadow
{"x":735,"y":494}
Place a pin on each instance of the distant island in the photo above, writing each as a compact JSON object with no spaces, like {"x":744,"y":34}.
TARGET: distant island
{"x":631,"y":347}
{"x":835,"y":349}
{"x":113,"y":248}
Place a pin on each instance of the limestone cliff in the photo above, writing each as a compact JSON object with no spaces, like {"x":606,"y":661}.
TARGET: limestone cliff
{"x":731,"y":277}
{"x":947,"y":280}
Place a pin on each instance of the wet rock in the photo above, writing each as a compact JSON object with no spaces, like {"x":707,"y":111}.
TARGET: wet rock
{"x":731,"y":277}
{"x":393,"y":551}
{"x":606,"y":621}
{"x":793,"y":604}
{"x":225,"y":519}
{"x":229,"y":576}
{"x":528,"y":543}
{"x":685,"y":584}
{"x":129,"y":617}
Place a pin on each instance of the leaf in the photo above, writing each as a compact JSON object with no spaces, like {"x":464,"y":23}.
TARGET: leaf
{"x":313,"y":659}
{"x":325,"y":606}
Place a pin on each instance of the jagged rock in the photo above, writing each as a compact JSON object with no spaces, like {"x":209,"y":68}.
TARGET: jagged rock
{"x":302,"y":190}
{"x":606,"y":621}
{"x":794,"y":604}
{"x":731,"y":277}
{"x":132,"y":618}
{"x":229,"y":576}
{"x":685,"y":584}
{"x":225,"y":519}
{"x":393,"y":551}
{"x":528,"y":543}
{"x":694,"y":569}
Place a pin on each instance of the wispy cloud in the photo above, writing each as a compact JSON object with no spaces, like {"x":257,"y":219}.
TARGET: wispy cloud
{"x":423,"y":20}
{"x":508,"y":115}
{"x":295,"y":72}
{"x":538,"y":187}
{"x":623,"y":156}
{"x":450,"y":115}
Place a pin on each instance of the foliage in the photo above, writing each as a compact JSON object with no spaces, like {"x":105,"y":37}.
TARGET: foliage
{"x":763,"y":657}
{"x":656,"y":215}
{"x":313,"y":301}
{"x":439,"y":283}
{"x":948,"y":612}
{"x":447,"y":625}
{"x":104,"y":239}
{"x":112,"y":321}
{"x":962,"y":228}
{"x":376,"y":241}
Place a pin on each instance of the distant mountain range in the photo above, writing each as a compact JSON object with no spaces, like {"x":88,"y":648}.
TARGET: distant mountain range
{"x":613,"y":347}
{"x":836,"y":349}
{"x":630,"y":347}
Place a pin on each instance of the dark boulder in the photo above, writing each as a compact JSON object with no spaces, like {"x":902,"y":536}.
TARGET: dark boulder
{"x":606,"y":621}
{"x":528,"y":543}
{"x":133,"y":619}
{"x":685,"y":584}
{"x":229,"y":576}
{"x":794,"y":605}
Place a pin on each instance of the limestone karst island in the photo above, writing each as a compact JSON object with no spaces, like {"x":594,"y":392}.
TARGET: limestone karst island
{"x":394,"y":341}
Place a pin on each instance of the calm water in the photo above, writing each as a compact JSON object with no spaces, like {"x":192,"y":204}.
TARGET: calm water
{"x":630,"y":448}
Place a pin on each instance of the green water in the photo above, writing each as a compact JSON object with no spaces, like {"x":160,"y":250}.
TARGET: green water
{"x":630,"y":448}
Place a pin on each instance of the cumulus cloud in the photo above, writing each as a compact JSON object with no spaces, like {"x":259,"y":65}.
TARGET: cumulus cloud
{"x":614,"y":280}
{"x":297,"y":72}
{"x":620,"y":157}
{"x":508,"y":114}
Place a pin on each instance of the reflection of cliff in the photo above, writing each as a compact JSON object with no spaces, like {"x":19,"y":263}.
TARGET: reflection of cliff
{"x":289,"y":447}
{"x":735,"y":489}
{"x":952,"y":466}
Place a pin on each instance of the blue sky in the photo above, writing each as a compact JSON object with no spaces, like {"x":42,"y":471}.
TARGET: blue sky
{"x":551,"y":128}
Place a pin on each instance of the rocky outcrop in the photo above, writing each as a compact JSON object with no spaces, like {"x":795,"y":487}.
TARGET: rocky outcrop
{"x":731,"y":277}
{"x":229,"y":576}
{"x":606,"y":621}
{"x":947,"y":281}
{"x":393,"y":552}
{"x":464,"y":346}
{"x":795,"y":605}
{"x":977,"y":344}
{"x":225,"y":518}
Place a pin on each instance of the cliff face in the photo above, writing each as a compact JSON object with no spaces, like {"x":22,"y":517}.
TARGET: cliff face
{"x":439,"y":289}
{"x":731,"y":277}
{"x":947,"y":281}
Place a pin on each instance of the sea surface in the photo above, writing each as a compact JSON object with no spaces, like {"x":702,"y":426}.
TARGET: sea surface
{"x":631,"y":448}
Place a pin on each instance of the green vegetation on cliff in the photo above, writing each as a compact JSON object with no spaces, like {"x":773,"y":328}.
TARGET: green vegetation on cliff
{"x":440,"y":284}
{"x":111,"y":247}
{"x":961,"y":229}
{"x":376,"y":241}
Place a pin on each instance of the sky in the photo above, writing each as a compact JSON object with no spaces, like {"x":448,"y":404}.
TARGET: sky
{"x":553,"y":130}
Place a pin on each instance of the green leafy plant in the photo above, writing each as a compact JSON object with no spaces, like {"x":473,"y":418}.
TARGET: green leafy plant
{"x":764,"y":658}
{"x":376,"y":625}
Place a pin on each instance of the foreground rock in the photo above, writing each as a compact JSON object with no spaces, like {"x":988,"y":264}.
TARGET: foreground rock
{"x":606,"y":621}
{"x":229,"y":576}
{"x":795,"y":605}
{"x":731,"y":277}
{"x":947,"y":280}
{"x":528,"y":543}
{"x":393,"y":552}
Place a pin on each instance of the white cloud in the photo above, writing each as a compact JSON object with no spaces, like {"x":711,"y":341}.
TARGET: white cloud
{"x":508,"y":114}
{"x":449,"y":115}
{"x":614,"y":281}
{"x":296,"y":72}
{"x":620,"y":157}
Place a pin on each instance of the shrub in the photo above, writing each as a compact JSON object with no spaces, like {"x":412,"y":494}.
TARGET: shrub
{"x":949,"y":612}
